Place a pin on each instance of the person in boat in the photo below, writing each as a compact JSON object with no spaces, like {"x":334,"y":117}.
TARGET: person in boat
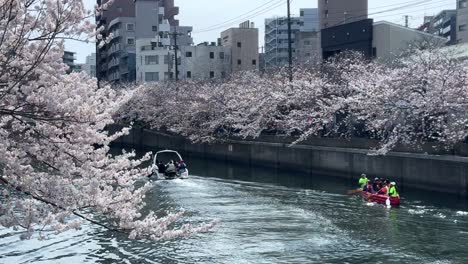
{"x":161,"y":167}
{"x":377,"y":184}
{"x":182,"y":166}
{"x":363,"y":181}
{"x":392,"y":191}
{"x":171,"y":169}
{"x":384,"y":189}
{"x":369,"y":187}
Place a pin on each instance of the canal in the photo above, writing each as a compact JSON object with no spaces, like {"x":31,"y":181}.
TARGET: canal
{"x":269,"y":216}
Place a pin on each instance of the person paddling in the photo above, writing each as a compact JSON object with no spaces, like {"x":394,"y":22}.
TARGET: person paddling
{"x":363,"y":180}
{"x":384,"y":189}
{"x":392,"y":192}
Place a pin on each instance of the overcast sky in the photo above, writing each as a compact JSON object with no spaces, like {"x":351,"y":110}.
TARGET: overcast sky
{"x":213,"y":16}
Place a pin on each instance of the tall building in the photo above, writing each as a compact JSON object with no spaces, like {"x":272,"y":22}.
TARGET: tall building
{"x":462,"y":21}
{"x":114,"y":59}
{"x":156,"y":37}
{"x":243,"y":44}
{"x":129,"y":21}
{"x":443,"y":24}
{"x":90,"y":66}
{"x":69,"y":59}
{"x":276,"y":37}
{"x":337,"y":12}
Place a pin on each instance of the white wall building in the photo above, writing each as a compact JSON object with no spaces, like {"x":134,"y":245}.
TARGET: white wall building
{"x":204,"y":62}
{"x":153,"y":63}
{"x":392,"y":40}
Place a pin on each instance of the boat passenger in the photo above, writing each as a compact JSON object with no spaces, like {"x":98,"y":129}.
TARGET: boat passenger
{"x":171,"y":167}
{"x":369,"y":187}
{"x":182,"y":166}
{"x":161,"y":166}
{"x":383,"y":190}
{"x":377,"y":184}
{"x":363,"y":180}
{"x":392,"y":192}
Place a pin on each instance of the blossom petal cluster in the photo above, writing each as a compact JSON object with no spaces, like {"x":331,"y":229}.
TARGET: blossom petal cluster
{"x":413,"y":100}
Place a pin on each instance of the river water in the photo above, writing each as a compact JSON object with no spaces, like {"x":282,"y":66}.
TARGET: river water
{"x":269,"y":216}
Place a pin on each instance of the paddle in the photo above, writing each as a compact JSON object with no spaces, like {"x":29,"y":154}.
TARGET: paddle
{"x":358,"y":190}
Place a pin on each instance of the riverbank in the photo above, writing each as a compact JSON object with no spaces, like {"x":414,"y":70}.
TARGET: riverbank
{"x":441,"y":173}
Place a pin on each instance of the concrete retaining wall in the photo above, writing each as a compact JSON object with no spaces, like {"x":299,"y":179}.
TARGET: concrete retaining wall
{"x":442,"y":173}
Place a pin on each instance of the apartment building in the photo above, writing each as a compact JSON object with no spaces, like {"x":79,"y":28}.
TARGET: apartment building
{"x":243,"y":45}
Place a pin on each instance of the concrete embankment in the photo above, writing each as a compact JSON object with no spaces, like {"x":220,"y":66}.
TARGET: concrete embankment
{"x":442,"y":172}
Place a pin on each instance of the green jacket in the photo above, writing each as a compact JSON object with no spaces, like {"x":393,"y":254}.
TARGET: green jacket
{"x":363,"y":182}
{"x":393,"y":192}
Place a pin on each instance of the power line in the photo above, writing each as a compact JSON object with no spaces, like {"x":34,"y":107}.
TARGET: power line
{"x":240,"y":16}
{"x":445,"y":5}
{"x":260,"y":12}
{"x":417,"y":4}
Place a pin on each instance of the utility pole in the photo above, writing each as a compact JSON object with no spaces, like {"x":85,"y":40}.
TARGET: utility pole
{"x":290,"y":41}
{"x":176,"y":59}
{"x":175,"y":35}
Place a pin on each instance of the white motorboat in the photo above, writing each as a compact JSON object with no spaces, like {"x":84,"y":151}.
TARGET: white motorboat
{"x":166,"y":165}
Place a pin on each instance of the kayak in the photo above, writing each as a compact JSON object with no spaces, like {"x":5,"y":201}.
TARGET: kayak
{"x":380,"y":198}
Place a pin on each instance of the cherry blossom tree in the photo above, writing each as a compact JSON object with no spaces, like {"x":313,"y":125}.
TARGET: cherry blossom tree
{"x":416,"y":99}
{"x":56,"y":170}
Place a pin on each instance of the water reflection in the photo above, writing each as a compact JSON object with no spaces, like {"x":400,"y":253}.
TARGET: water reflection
{"x":269,"y":216}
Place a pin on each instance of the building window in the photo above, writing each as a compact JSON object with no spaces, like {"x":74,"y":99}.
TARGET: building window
{"x":223,"y":74}
{"x":189,"y":74}
{"x":130,"y":41}
{"x":326,"y":13}
{"x":221,"y":55}
{"x":211,"y":55}
{"x":462,"y":3}
{"x":151,"y":76}
{"x":239,"y":62}
{"x":374,"y":52}
{"x":462,"y":28}
{"x":302,"y":13}
{"x":306,"y":42}
{"x":130,"y":27}
{"x":152,"y":60}
{"x":212,"y":74}
{"x":239,"y":44}
{"x":155,"y":28}
{"x":188,"y":54}
{"x":254,"y":62}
